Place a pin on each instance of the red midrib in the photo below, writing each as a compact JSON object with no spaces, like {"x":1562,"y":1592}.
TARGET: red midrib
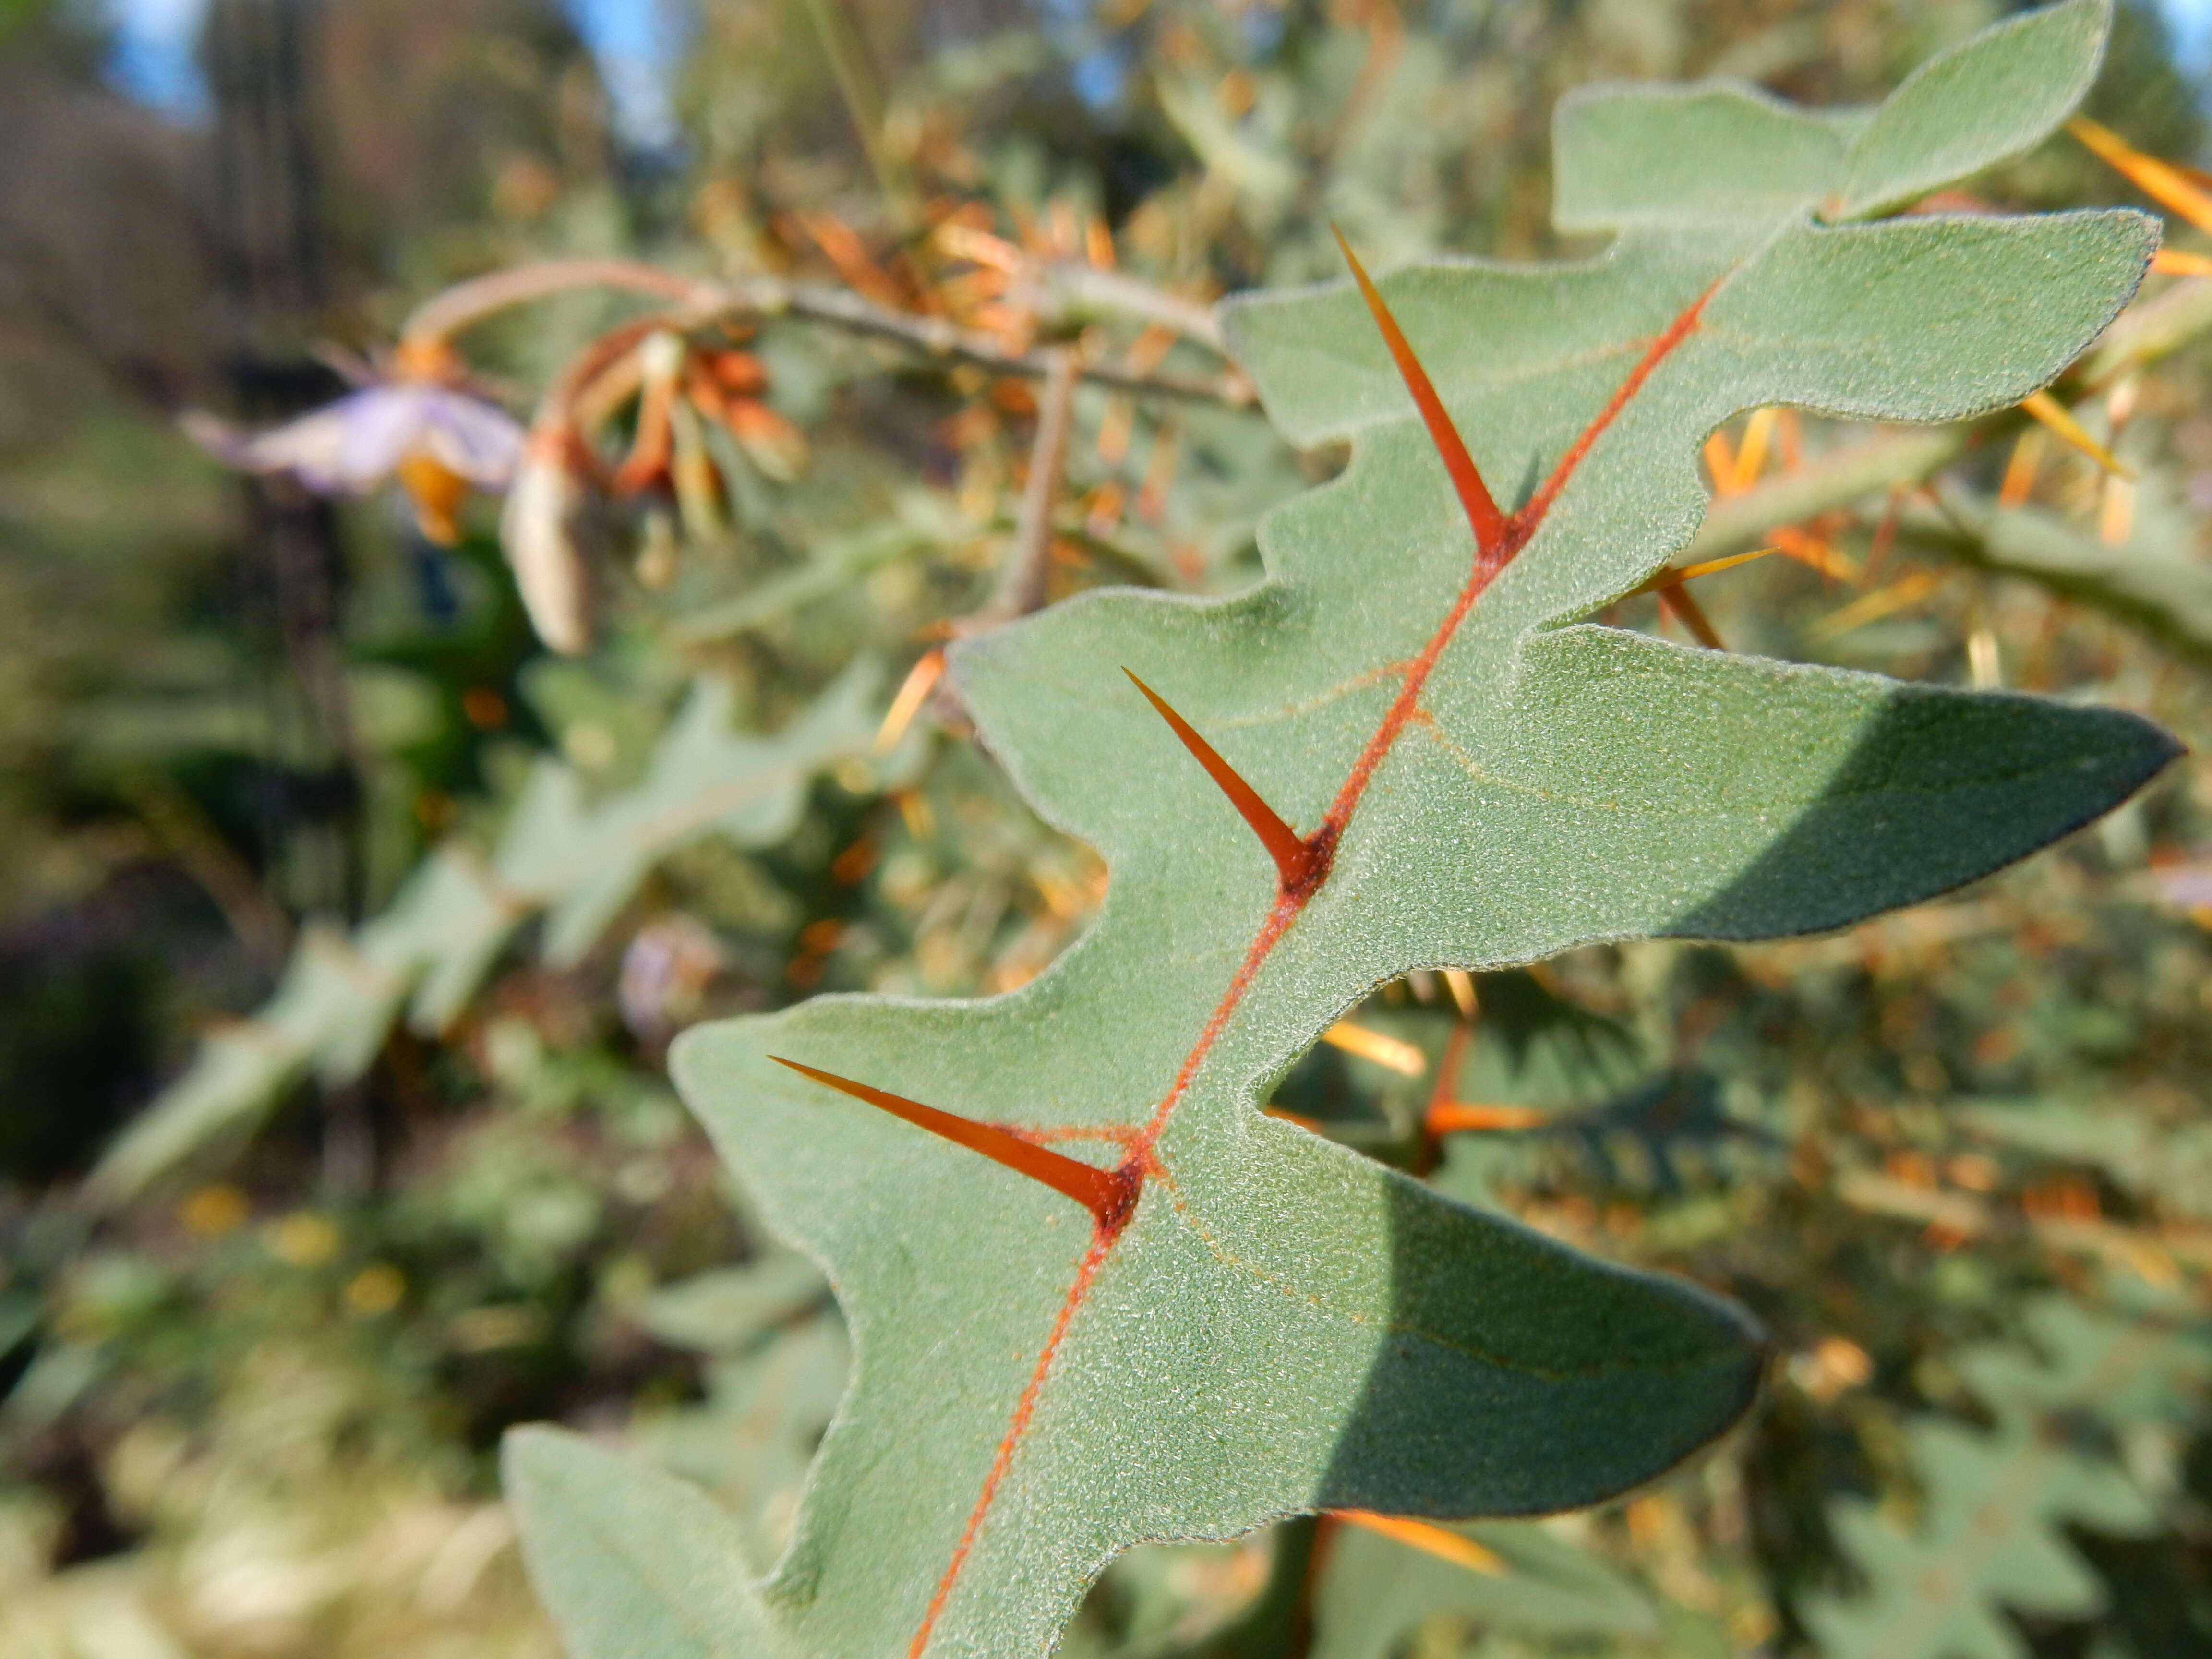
{"x":1518,"y":530}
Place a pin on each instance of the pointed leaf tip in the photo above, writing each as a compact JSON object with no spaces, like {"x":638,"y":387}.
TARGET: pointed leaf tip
{"x":1110,"y":1194}
{"x":1294,"y":858}
{"x":1482,"y":513}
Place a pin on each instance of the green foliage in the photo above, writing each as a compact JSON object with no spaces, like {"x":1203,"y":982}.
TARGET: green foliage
{"x":258,"y":1418}
{"x":573,"y":858}
{"x":1281,"y":1325}
{"x":1376,"y":1591}
{"x":632,"y":1562}
{"x":1637,"y":156}
{"x":1989,"y":1531}
{"x":2147,"y":580}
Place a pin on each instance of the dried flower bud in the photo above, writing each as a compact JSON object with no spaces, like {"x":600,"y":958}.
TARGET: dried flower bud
{"x":551,"y":511}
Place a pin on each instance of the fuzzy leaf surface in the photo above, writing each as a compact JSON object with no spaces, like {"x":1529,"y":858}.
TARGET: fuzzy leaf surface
{"x":1283,"y":1325}
{"x":1725,"y":153}
{"x":632,"y":1564}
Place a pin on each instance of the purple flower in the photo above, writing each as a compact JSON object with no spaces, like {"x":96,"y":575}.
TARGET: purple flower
{"x":437,"y":440}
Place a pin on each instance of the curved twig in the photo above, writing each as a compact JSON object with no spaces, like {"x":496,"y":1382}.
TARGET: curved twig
{"x":698,"y":300}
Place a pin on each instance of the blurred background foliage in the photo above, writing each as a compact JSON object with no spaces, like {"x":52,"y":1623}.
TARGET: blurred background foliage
{"x":254,"y":1358}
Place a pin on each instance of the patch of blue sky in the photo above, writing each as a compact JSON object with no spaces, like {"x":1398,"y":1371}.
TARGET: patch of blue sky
{"x":153,"y":54}
{"x":153,"y":57}
{"x":1098,"y":68}
{"x":640,"y":45}
{"x":2189,"y":25}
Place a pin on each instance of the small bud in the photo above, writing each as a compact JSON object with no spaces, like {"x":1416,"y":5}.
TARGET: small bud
{"x":550,"y":513}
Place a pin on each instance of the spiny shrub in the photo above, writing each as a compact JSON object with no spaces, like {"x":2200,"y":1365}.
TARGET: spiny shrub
{"x":1097,"y":1295}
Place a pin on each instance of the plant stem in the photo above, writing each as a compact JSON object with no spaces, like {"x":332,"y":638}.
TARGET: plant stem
{"x":465,"y":304}
{"x":1735,"y":524}
{"x":1028,"y":567}
{"x":700,"y":300}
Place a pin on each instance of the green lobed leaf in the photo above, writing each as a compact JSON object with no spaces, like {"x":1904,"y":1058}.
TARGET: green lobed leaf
{"x":1721,"y":153}
{"x":1990,"y":1537}
{"x":1993,"y":97}
{"x":728,"y":1309}
{"x":749,"y":1442}
{"x":632,"y":1564}
{"x":1282,"y":1325}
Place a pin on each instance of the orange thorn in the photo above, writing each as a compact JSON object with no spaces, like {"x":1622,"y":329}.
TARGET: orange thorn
{"x":1809,"y":550}
{"x":2175,"y":262}
{"x":2163,"y":182}
{"x":916,"y":687}
{"x":1110,"y":1195}
{"x":1720,"y":463}
{"x":1454,"y":1055}
{"x":1387,"y":1052}
{"x":2055,"y":417}
{"x":1674,"y":575}
{"x":1451,"y":1546}
{"x":1461,"y":984}
{"x":1786,"y":439}
{"x":2020,"y":471}
{"x":1751,"y":456}
{"x":1676,"y":599}
{"x":1482,"y":513}
{"x":1453,"y":1117}
{"x":1300,"y":864}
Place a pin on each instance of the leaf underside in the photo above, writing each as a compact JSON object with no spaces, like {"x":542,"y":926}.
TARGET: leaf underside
{"x":1283,"y":1325}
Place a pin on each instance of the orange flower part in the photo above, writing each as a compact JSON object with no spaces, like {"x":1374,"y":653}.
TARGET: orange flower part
{"x":654,"y":442}
{"x":436,"y":491}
